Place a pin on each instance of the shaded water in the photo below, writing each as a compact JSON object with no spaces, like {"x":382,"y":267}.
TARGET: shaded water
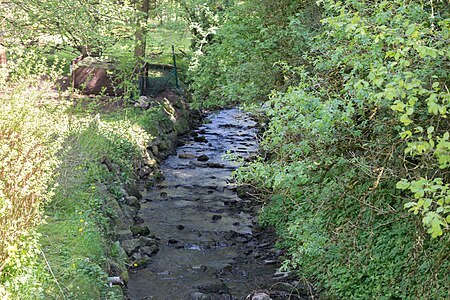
{"x":207,"y":246}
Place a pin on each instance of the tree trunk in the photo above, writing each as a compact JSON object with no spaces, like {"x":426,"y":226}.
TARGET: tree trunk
{"x":142,"y":7}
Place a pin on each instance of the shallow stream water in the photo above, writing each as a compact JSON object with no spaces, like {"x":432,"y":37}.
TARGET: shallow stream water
{"x":208,"y":246}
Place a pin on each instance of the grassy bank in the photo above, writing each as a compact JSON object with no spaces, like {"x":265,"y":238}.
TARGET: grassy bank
{"x":71,"y":252}
{"x":65,"y":163}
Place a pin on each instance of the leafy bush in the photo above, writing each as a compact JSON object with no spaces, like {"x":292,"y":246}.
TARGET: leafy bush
{"x":29,"y":144}
{"x":363,"y":135}
{"x":27,"y":161}
{"x":244,"y":59}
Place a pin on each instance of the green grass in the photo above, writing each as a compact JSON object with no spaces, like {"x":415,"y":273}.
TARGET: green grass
{"x":68,"y":255}
{"x":75,"y":235}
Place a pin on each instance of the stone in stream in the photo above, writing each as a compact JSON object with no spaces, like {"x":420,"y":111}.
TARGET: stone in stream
{"x":187,"y":155}
{"x":260,"y":296}
{"x":216,"y":218}
{"x":140,"y":230}
{"x":270,"y":262}
{"x":133,"y":201}
{"x":199,"y":296}
{"x":203,"y":157}
{"x":133,"y":190}
{"x":149,"y":250}
{"x":215,"y":165}
{"x":200,"y":139}
{"x":125,"y":234}
{"x":219,"y":288}
{"x":180,"y":227}
{"x":139,"y":220}
{"x":172,"y":241}
{"x":146,"y":241}
{"x":130,"y":246}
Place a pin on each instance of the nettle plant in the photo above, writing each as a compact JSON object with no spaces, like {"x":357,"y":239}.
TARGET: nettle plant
{"x":399,"y":57}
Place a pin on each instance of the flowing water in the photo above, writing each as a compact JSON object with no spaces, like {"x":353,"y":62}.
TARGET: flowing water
{"x":208,"y":246}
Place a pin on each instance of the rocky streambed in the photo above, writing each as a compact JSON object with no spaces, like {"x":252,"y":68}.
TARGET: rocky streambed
{"x":195,"y":238}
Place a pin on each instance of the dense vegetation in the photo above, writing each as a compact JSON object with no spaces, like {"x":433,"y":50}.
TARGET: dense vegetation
{"x":356,"y":145}
{"x":353,"y":173}
{"x":56,"y":196}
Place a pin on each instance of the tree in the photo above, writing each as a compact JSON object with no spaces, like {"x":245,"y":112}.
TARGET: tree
{"x":88,"y":26}
{"x":142,"y":11}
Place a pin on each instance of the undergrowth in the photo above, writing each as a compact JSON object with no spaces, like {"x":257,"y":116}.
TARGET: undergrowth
{"x":354,"y":172}
{"x":56,"y":243}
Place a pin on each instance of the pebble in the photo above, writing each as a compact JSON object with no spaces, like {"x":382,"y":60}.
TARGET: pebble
{"x":261,"y":296}
{"x":203,"y":158}
{"x":186,"y":155}
{"x":199,"y":296}
{"x":216,"y":218}
{"x":200,"y":139}
{"x":172,"y":241}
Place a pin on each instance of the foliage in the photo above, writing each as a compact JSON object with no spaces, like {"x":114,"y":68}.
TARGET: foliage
{"x":245,"y":59}
{"x":51,"y":153}
{"x":27,"y":156}
{"x":24,"y":276}
{"x":78,"y":216}
{"x":89,"y":26}
{"x":361,"y":136}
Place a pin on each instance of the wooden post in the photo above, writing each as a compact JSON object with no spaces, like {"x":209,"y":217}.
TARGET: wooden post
{"x":175,"y":72}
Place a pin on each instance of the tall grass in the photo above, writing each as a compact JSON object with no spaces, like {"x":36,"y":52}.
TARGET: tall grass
{"x":28,"y":144}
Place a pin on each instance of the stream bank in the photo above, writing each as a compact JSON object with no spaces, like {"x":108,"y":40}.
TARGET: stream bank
{"x":193,"y":237}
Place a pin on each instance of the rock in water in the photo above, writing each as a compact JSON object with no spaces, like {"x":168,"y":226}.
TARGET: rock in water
{"x":133,"y":190}
{"x":220,"y":288}
{"x":133,"y":201}
{"x":261,"y":296}
{"x":187,"y":155}
{"x":199,"y":296}
{"x":203,"y":158}
{"x":200,"y":139}
{"x":140,"y":230}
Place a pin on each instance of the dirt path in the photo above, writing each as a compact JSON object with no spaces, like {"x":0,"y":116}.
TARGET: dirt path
{"x":208,"y":246}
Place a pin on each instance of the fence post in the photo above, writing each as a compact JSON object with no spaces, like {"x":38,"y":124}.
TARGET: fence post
{"x":175,"y":67}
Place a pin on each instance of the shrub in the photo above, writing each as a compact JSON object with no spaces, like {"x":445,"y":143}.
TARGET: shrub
{"x":363,"y":135}
{"x":28,"y":145}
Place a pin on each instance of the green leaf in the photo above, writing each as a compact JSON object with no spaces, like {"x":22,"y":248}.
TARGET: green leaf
{"x":398,"y":106}
{"x":411,"y":29}
{"x":405,"y":119}
{"x":402,"y":185}
{"x":406,"y":134}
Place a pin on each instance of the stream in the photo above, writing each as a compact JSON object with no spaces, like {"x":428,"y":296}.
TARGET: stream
{"x":209,"y":245}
